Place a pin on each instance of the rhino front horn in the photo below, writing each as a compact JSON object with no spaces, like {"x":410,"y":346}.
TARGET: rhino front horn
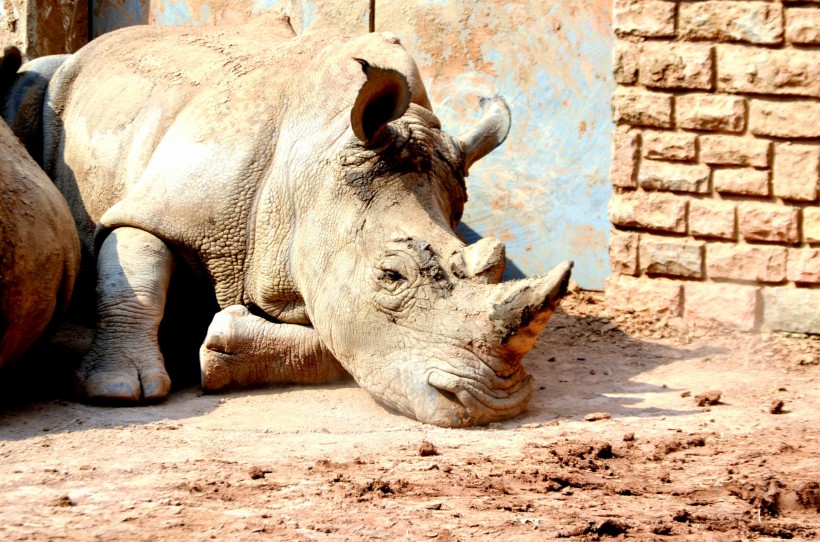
{"x":520,"y":309}
{"x":489,"y":132}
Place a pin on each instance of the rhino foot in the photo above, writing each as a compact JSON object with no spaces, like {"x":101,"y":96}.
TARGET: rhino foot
{"x":117,"y":377}
{"x":243,"y":350}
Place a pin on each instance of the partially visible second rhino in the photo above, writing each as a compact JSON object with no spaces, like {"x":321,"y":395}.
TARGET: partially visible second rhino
{"x":306,"y":181}
{"x":39,"y":247}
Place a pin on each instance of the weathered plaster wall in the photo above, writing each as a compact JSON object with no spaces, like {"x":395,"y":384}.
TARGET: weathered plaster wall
{"x":13,"y":21}
{"x":546,"y":190}
{"x":44,"y":27}
{"x":112,"y":14}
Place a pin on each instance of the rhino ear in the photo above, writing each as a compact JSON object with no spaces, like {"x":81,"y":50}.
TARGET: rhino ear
{"x":384,"y":97}
{"x":9,"y":64}
{"x":489,"y":132}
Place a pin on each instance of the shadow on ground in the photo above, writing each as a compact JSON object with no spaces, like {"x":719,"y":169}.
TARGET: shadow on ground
{"x":582,"y":364}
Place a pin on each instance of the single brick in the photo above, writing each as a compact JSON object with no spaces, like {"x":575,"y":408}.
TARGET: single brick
{"x":768,"y":71}
{"x":791,"y":309}
{"x":661,"y":145}
{"x":804,"y":266}
{"x":734,"y":151}
{"x":721,"y":20}
{"x":656,"y":296}
{"x":640,"y":107}
{"x":729,"y":305}
{"x":796,"y":171}
{"x":623,"y":252}
{"x":803,"y":25}
{"x":650,"y":210}
{"x":625,"y":151}
{"x":746,"y":181}
{"x":674,"y":176}
{"x":711,"y":112}
{"x":784,"y":119}
{"x":670,"y":256}
{"x":746,"y":262}
{"x":625,"y":62}
{"x":647,"y":18}
{"x":712,"y":218}
{"x":675,"y":65}
{"x":811,"y":224}
{"x":768,"y":222}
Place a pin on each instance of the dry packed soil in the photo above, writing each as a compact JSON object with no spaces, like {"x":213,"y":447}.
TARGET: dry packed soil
{"x":614,"y":446}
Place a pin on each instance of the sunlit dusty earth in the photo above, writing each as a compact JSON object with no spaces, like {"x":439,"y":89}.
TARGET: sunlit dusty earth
{"x":327,"y":463}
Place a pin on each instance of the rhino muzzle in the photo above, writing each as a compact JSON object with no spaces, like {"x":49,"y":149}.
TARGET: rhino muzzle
{"x":485,"y":382}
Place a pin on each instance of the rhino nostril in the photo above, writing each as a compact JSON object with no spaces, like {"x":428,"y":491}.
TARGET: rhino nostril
{"x":447,"y":394}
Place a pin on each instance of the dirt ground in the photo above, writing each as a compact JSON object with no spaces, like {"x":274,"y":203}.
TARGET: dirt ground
{"x":613,"y":446}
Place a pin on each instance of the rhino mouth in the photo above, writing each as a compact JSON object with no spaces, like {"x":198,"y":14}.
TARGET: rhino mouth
{"x":462,"y":400}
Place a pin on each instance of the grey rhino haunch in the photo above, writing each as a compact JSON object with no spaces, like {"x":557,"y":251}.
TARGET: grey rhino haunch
{"x":308,"y":182}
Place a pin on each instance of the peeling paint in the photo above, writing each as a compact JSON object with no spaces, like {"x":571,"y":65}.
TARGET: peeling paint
{"x":545,"y":191}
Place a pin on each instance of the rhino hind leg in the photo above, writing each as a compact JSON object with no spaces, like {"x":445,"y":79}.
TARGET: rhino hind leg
{"x":124,"y":364}
{"x":243,"y":350}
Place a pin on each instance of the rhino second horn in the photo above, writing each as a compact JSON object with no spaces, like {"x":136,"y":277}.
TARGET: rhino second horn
{"x":520,"y":309}
{"x":485,"y":260}
{"x":489,"y":132}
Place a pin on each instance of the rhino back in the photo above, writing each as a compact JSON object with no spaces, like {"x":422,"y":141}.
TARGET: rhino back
{"x":39,"y":251}
{"x":174,"y":131}
{"x":21,"y":104}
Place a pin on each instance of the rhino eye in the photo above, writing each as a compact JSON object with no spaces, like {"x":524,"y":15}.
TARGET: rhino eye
{"x":391,"y":275}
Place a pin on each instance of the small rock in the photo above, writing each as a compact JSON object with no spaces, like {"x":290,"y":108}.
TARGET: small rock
{"x":629,"y":437}
{"x":708,"y":398}
{"x":63,"y":500}
{"x":808,"y":359}
{"x":427,"y":449}
{"x":257,"y":472}
{"x":581,"y":358}
{"x":592,"y":371}
{"x":609,"y":327}
{"x":776,"y":407}
{"x":597,"y":416}
{"x":552,"y":359}
{"x":686,"y":394}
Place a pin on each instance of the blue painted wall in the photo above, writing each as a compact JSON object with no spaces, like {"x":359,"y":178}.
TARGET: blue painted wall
{"x":545,"y":192}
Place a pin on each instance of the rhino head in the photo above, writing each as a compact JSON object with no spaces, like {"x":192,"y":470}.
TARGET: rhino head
{"x":417,"y":317}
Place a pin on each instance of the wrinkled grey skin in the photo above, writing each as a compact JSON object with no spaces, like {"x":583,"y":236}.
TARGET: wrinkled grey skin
{"x":308,"y":181}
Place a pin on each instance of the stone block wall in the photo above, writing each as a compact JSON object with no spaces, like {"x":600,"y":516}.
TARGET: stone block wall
{"x":716,"y":154}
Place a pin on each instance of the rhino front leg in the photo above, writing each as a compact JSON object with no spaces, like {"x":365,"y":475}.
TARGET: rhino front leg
{"x":242,"y":350}
{"x":124,"y":363}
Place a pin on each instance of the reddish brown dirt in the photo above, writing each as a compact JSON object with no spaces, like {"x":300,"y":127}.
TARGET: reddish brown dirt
{"x":327,"y":463}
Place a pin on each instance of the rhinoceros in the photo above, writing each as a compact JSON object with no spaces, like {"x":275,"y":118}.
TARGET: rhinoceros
{"x":307,"y":182}
{"x":39,"y":247}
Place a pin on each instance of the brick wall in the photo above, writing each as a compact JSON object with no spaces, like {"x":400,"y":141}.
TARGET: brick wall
{"x":716,"y":153}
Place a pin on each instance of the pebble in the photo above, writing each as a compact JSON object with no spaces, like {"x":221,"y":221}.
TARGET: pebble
{"x":776,"y":407}
{"x":597,"y":416}
{"x":708,"y":398}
